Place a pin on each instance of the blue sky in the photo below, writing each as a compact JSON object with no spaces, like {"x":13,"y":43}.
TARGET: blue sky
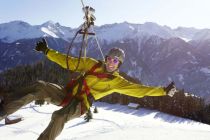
{"x":173,"y":13}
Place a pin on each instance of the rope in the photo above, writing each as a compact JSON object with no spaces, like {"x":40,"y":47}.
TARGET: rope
{"x":80,"y":53}
{"x":98,"y":45}
{"x":84,"y":30}
{"x":82,"y":3}
{"x":69,"y":48}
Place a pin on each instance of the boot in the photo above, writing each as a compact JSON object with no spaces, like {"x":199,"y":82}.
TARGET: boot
{"x":12,"y":121}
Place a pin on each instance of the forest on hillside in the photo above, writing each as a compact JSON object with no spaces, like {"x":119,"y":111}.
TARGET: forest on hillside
{"x":181,"y":104}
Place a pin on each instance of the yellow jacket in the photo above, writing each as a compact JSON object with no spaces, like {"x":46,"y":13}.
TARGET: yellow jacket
{"x":103,"y":86}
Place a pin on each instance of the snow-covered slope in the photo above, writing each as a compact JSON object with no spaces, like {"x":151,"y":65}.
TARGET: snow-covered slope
{"x":113,"y":122}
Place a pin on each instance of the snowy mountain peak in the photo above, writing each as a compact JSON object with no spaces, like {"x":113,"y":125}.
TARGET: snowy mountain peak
{"x":15,"y":30}
{"x":51,"y":24}
{"x":151,"y":24}
{"x":16,"y":23}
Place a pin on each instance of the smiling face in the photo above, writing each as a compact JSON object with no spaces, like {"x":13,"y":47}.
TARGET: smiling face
{"x":112,"y":63}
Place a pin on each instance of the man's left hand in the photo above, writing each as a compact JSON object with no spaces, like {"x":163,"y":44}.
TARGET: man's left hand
{"x":39,"y":102}
{"x":88,"y":116}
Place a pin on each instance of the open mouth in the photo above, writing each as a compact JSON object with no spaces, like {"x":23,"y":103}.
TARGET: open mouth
{"x":111,"y":67}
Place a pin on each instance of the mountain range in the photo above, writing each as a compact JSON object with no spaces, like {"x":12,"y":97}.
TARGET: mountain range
{"x":17,"y":30}
{"x":155,"y":54}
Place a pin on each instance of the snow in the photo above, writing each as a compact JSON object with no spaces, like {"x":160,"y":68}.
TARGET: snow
{"x":56,"y":30}
{"x":15,"y":30}
{"x":45,"y":30}
{"x":155,"y":29}
{"x":203,"y":34}
{"x":189,"y":53}
{"x":122,"y":42}
{"x":205,"y":70}
{"x":130,"y":72}
{"x":5,"y":53}
{"x":17,"y":52}
{"x":193,"y":57}
{"x":112,"y":122}
{"x":115,"y":32}
{"x":131,"y":27}
{"x":133,"y":105}
{"x":168,"y":54}
{"x":170,"y":79}
{"x":181,"y":78}
{"x":190,"y":94}
{"x":135,"y":72}
{"x":134,"y":63}
{"x":18,"y":30}
{"x":186,"y":39}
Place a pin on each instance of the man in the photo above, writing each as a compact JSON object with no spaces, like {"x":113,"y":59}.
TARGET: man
{"x":98,"y":80}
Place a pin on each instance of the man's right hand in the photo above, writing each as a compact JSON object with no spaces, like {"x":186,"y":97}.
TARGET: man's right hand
{"x":41,"y":46}
{"x":170,"y":89}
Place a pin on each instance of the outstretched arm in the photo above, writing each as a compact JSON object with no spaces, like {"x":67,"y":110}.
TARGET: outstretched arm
{"x":136,"y":90}
{"x":59,"y":58}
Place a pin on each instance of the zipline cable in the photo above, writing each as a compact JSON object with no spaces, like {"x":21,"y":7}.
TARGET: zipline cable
{"x":89,"y":22}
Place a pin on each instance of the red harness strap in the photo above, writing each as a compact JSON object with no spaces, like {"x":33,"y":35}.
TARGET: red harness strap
{"x":68,"y":96}
{"x":101,"y":75}
{"x":86,"y":89}
{"x":98,"y":74}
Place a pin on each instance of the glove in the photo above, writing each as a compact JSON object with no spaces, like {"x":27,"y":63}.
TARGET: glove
{"x":95,"y":110}
{"x":39,"y":102}
{"x":88,"y":116}
{"x":170,"y":89}
{"x":41,"y":46}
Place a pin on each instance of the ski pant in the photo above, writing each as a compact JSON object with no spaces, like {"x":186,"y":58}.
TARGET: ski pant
{"x":51,"y":93}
